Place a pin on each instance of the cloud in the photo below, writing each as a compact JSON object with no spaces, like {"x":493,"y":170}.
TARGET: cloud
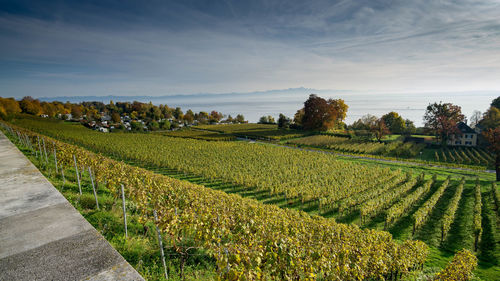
{"x":167,"y":47}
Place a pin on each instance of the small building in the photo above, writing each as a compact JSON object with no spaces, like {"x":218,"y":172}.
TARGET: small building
{"x":466,"y":136}
{"x":105,"y":118}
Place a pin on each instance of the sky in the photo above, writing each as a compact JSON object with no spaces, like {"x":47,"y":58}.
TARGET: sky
{"x":133,"y":48}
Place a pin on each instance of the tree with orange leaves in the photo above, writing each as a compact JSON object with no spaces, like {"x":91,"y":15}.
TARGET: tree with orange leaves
{"x":321,"y":114}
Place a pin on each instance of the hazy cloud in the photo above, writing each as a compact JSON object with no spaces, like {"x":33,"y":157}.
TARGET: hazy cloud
{"x":166,"y":47}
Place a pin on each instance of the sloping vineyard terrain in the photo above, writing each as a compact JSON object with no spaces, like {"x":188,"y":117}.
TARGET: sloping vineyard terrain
{"x":449,"y":213}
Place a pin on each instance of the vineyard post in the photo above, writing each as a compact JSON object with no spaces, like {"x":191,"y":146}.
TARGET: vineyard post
{"x":64,"y":179}
{"x":77,"y":176}
{"x":39,"y":146}
{"x":36,"y":153}
{"x":160,"y":242}
{"x":124,"y":212}
{"x":93,"y":188}
{"x":26,"y":141}
{"x":18,"y":137}
{"x":31,"y":144}
{"x":45,"y":151}
{"x":55,"y":160}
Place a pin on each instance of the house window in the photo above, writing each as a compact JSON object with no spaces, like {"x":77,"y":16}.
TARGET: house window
{"x":468,"y":143}
{"x":458,"y":142}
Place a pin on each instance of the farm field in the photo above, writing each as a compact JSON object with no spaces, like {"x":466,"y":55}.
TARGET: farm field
{"x":389,"y":148}
{"x":472,"y":157}
{"x":257,"y":131}
{"x":248,"y":239}
{"x":435,"y":208}
{"x":195,"y":134}
{"x":344,"y":144}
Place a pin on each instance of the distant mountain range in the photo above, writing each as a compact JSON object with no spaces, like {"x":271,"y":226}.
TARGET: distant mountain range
{"x":107,"y":98}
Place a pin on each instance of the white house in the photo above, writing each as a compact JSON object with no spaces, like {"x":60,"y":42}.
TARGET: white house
{"x":466,"y":136}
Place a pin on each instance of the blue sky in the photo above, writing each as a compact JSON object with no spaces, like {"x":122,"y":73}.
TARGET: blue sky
{"x":70,"y":48}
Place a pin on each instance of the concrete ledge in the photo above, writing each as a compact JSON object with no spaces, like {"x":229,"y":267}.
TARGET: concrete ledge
{"x":39,"y":227}
{"x":42,"y":237}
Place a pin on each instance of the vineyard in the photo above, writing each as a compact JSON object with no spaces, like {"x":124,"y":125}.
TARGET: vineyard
{"x":465,"y":155}
{"x":448,"y":213}
{"x":257,"y":131}
{"x":199,"y":135}
{"x":249,"y":240}
{"x":344,"y":144}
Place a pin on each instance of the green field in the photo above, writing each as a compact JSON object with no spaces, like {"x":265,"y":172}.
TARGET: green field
{"x":267,"y":132}
{"x":304,"y":180}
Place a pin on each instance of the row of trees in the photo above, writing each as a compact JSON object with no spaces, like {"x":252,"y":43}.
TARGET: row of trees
{"x":93,"y":111}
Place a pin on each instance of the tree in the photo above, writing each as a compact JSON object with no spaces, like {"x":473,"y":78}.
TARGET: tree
{"x":136,"y":126}
{"x":178,"y":113}
{"x":10,"y":107}
{"x":30,"y":106}
{"x":410,"y":127}
{"x":154,"y":126}
{"x":394,"y":122}
{"x":442,"y":119}
{"x":92,"y":114}
{"x":215,"y":116}
{"x":493,"y":138}
{"x":267,"y":120}
{"x":166,"y":111}
{"x":76,"y":111}
{"x":283,"y":121}
{"x":496,"y":103}
{"x":491,"y":118}
{"x":475,"y":118}
{"x":189,"y":117}
{"x":366,"y":122}
{"x":229,"y":119}
{"x":156,"y":112}
{"x":379,"y":129}
{"x":202,"y":117}
{"x":321,"y":114}
{"x":240,"y":118}
{"x":3,"y":113}
{"x":298,"y":117}
{"x":115,"y":117}
{"x":49,"y":109}
{"x":165,"y":125}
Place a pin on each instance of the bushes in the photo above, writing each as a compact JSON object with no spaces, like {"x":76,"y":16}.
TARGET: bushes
{"x":460,"y":268}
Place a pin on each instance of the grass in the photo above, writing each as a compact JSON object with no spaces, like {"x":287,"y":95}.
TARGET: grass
{"x":141,"y":248}
{"x":460,"y":235}
{"x":267,"y":132}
